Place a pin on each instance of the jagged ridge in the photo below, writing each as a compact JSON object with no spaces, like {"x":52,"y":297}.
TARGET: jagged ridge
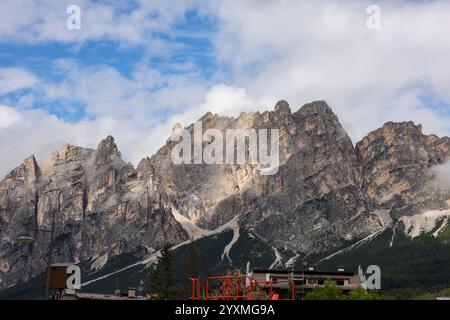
{"x":326,"y":192}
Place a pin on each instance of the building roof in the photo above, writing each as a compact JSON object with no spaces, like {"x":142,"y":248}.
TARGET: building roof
{"x":306,"y":272}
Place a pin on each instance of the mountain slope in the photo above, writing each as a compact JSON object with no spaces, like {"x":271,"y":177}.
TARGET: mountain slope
{"x":409,"y":266}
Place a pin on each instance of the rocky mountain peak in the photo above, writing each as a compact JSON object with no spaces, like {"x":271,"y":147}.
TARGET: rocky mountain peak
{"x":69,"y":153}
{"x":107,"y":151}
{"x":396,"y":136}
{"x":282,"y":107}
{"x":319,"y":107}
{"x":33,"y":172}
{"x":392,"y":131}
{"x":405,"y":126}
{"x":207,"y":116}
{"x":107,"y":145}
{"x":319,"y":121}
{"x":26,"y":174}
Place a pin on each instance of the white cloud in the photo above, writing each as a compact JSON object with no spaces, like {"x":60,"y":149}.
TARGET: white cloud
{"x":8,"y":116}
{"x":12,"y":79}
{"x":223,"y":99}
{"x":127,"y":22}
{"x":34,"y":131}
{"x":147,"y":94}
{"x":308,"y":50}
{"x":442,"y":174}
{"x":294,"y":50}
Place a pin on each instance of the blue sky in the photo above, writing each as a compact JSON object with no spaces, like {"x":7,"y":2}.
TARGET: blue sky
{"x":135,"y":68}
{"x":189,"y":40}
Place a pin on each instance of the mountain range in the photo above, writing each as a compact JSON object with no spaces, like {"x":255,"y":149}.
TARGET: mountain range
{"x":379,"y":201}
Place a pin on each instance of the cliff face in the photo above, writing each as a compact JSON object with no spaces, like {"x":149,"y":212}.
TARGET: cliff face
{"x":325,"y":193}
{"x":396,"y":162}
{"x":97,"y":205}
{"x":315,"y":203}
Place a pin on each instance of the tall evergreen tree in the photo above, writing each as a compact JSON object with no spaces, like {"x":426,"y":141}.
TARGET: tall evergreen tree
{"x":191,"y":267}
{"x":191,"y":261}
{"x":161,"y":276}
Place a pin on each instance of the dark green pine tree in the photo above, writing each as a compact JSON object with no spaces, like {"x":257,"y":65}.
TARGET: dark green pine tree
{"x":191,"y":267}
{"x":191,"y":261}
{"x":162,"y":282}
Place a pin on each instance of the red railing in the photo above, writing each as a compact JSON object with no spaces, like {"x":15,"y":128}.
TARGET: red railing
{"x":241,"y":287}
{"x":229,"y":288}
{"x":195,"y":293}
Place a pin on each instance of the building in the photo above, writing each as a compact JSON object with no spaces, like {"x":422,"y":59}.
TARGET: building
{"x":304,"y":280}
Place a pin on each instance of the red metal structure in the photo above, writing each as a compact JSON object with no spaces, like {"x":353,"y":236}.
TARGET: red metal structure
{"x":278,"y":285}
{"x":241,"y":288}
{"x":230,"y":288}
{"x":195,"y":293}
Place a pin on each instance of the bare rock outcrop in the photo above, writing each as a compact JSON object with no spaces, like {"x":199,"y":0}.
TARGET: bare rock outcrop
{"x":396,"y":163}
{"x":94,"y":202}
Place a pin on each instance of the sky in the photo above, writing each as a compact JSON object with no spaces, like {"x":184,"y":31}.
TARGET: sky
{"x":135,"y":68}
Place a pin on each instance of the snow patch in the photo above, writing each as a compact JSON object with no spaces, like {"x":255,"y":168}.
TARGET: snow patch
{"x":190,"y":227}
{"x":230,"y":225}
{"x":147,"y":262}
{"x":385,"y":220}
{"x":99,"y":262}
{"x":150,"y":250}
{"x":277,"y":258}
{"x":233,"y":225}
{"x":391,"y":243}
{"x":423,"y":222}
{"x":442,"y":227}
{"x":365,"y":240}
{"x":290,"y":263}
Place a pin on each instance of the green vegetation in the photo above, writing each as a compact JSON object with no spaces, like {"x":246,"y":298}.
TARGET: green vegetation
{"x":191,"y":261}
{"x":331,"y":292}
{"x":410,"y":269}
{"x":327,"y":292}
{"x":162,"y":282}
{"x":361,"y":294}
{"x":434,"y":295}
